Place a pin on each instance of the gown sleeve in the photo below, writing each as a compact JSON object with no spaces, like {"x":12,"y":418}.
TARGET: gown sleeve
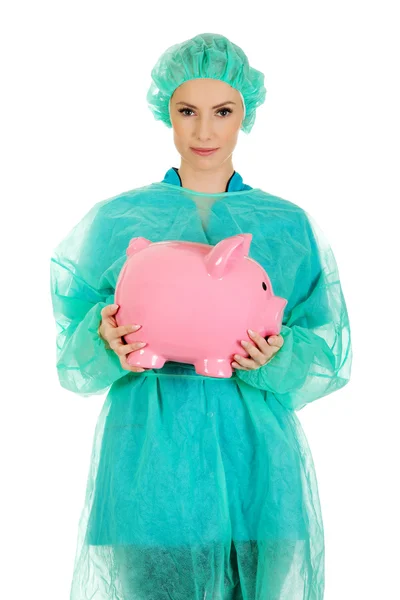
{"x":80,"y":286}
{"x":315,"y":359}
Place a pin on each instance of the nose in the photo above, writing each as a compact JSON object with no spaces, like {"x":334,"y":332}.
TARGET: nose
{"x":203,"y":129}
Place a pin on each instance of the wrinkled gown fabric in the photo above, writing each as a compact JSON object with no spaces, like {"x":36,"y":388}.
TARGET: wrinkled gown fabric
{"x":201,"y":488}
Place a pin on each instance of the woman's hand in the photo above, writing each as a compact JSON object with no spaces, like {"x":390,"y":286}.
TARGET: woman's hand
{"x":112,"y":335}
{"x":260,"y":354}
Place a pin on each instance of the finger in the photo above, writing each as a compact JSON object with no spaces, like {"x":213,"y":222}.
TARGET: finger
{"x":275,"y":340}
{"x":118,"y":332}
{"x":124,"y":349}
{"x":248,"y":363}
{"x":259,"y":340}
{"x":236,"y":365}
{"x":128,"y":348}
{"x":109,"y":310}
{"x":256,"y":354}
{"x":128,"y":367}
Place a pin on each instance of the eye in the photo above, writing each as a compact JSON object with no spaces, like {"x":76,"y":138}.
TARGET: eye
{"x":227,"y":110}
{"x":264,"y":285}
{"x":184,"y":110}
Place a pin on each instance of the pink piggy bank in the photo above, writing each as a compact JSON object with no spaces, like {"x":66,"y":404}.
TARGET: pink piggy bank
{"x":194,"y":302}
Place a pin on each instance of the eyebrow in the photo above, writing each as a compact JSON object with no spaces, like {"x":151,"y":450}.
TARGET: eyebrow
{"x":216,"y":106}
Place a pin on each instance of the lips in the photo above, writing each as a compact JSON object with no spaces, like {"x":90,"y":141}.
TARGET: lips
{"x":204,"y":151}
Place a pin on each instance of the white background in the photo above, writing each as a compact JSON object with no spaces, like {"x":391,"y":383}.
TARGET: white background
{"x":76,"y":129}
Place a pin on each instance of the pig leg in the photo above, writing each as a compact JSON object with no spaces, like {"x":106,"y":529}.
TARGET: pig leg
{"x":146,"y":358}
{"x":214,"y":367}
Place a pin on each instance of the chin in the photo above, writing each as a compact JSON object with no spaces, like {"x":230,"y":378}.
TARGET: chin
{"x":205,"y":162}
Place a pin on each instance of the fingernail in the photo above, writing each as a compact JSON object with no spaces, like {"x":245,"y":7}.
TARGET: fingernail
{"x":251,"y":331}
{"x":141,"y":344}
{"x":135,"y":326}
{"x":244,"y":343}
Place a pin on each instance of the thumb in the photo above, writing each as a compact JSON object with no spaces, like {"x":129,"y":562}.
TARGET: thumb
{"x":109,"y":310}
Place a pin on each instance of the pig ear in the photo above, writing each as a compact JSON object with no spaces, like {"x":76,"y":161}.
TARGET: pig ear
{"x":136,"y":244}
{"x":226,"y":253}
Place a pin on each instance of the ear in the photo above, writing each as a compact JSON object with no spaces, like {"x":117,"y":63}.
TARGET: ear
{"x":226,"y":254}
{"x":136,"y":244}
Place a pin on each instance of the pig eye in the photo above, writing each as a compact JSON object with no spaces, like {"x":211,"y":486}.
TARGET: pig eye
{"x":264,"y":285}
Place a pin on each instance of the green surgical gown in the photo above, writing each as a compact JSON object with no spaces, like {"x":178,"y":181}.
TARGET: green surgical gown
{"x":201,"y":488}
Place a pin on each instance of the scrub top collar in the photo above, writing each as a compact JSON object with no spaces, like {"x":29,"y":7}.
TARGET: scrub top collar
{"x":234,"y":184}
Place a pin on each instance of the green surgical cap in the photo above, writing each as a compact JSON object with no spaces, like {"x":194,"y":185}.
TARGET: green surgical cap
{"x":206,"y":56}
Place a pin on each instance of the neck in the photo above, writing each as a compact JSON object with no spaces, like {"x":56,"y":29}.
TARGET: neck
{"x":211,"y":181}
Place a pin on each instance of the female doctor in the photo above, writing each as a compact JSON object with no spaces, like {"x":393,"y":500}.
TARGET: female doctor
{"x":200,"y":487}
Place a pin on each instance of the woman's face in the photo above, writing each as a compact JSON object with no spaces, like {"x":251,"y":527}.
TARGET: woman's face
{"x":206,"y":113}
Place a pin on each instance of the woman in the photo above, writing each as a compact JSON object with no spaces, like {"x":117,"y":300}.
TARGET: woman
{"x":201,"y":487}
